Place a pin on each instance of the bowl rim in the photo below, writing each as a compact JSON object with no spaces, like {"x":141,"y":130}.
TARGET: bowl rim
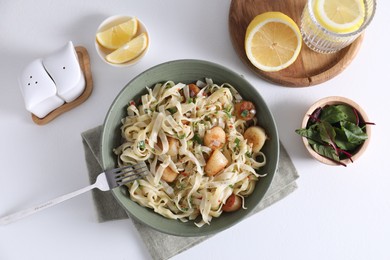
{"x":243,"y":214}
{"x":115,"y":20}
{"x":333,"y":100}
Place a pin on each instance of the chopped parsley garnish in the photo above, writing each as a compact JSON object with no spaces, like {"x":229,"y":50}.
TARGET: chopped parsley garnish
{"x":228,"y":111}
{"x":182,"y":136}
{"x":237,"y":142}
{"x":141,"y":145}
{"x":197,"y":139}
{"x":244,"y":113}
{"x":172,"y":110}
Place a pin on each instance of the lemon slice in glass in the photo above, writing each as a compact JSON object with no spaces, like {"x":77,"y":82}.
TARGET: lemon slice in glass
{"x":116,"y":36}
{"x":130,"y":50}
{"x":340,"y":16}
{"x":272,"y":41}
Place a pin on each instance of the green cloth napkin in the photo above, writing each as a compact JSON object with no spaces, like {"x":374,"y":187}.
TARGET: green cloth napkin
{"x":160,"y":245}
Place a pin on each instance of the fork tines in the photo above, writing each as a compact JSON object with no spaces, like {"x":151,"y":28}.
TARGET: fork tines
{"x":123,"y":175}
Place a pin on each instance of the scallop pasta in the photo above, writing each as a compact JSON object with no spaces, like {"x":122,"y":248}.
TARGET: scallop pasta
{"x":201,"y":144}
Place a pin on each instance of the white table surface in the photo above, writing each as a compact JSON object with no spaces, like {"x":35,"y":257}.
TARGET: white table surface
{"x":336,"y":213}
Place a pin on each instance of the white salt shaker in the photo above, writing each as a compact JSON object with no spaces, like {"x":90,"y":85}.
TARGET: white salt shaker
{"x":64,"y":68}
{"x":48,"y":83}
{"x":38,"y":89}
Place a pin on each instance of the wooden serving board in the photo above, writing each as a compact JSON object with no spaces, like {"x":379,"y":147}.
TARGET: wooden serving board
{"x":85,"y":65}
{"x":310,"y":68}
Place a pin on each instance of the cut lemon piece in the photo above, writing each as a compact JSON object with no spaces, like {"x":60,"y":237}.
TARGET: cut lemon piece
{"x":340,"y":16}
{"x":130,"y":50}
{"x":272,"y":41}
{"x":116,"y":36}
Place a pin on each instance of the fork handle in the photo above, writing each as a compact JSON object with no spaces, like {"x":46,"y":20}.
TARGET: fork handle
{"x":27,"y":212}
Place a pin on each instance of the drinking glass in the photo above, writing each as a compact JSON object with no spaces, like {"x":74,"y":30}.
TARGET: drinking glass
{"x":323,"y":40}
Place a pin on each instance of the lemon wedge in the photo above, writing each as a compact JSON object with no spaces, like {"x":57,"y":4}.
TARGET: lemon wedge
{"x":116,"y":36}
{"x":340,"y":16}
{"x":129,"y":50}
{"x":272,"y":41}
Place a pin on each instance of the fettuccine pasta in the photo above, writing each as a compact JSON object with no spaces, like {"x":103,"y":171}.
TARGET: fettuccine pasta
{"x":168,"y":129}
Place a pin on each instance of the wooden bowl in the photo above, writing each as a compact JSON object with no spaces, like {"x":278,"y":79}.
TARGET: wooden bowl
{"x":334,"y":100}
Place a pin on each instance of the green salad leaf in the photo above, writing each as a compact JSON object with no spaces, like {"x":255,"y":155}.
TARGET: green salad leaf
{"x":354,"y":133}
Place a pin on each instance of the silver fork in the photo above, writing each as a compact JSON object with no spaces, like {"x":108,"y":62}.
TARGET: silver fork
{"x":105,"y":181}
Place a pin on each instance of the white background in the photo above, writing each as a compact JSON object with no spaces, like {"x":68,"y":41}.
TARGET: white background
{"x":336,"y":213}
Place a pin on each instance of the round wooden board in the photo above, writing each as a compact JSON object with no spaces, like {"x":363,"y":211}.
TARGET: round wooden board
{"x":310,"y":68}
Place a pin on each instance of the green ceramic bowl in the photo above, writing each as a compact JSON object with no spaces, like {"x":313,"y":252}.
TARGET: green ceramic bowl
{"x":188,"y":71}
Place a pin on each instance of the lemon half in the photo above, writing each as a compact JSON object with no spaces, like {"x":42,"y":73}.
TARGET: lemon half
{"x":340,"y":16}
{"x":272,"y":41}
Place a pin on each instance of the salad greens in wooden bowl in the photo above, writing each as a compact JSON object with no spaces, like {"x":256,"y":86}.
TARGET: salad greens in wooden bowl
{"x":335,"y":130}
